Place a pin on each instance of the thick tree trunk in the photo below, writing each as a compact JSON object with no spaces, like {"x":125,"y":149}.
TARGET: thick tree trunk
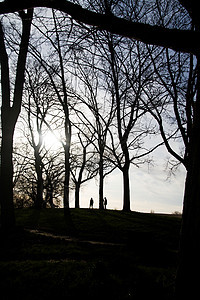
{"x":126,"y":186}
{"x":7,"y":207}
{"x":9,"y":115}
{"x":187,"y":283}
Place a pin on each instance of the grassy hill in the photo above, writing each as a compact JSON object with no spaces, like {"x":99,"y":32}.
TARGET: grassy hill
{"x":90,"y":253}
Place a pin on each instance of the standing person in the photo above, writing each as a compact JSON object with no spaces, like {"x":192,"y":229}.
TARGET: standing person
{"x":105,"y":202}
{"x":91,"y":203}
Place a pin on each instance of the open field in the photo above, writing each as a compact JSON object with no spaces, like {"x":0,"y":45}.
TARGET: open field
{"x":90,"y":253}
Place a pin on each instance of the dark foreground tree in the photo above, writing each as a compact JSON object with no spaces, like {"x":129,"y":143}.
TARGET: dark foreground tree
{"x":9,"y":114}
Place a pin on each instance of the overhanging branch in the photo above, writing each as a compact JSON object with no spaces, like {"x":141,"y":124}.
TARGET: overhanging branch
{"x":178,"y":40}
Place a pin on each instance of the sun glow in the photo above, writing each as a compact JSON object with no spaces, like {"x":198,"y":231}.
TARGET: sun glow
{"x":51,"y":141}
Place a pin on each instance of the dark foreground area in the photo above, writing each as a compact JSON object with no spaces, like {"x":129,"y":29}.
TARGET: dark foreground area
{"x":89,"y":254}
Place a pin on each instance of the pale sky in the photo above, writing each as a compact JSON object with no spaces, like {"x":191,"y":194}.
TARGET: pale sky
{"x":151,"y":189}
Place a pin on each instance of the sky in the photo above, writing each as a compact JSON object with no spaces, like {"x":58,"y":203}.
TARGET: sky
{"x":152,"y":190}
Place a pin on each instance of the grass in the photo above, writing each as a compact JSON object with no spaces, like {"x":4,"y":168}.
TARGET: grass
{"x":135,"y":256}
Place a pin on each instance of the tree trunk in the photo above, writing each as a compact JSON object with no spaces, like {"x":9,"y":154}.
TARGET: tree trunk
{"x":67,"y":163}
{"x":7,"y":207}
{"x":49,"y":192}
{"x":66,"y":180}
{"x":79,"y":181}
{"x":9,"y":115}
{"x":187,"y":283}
{"x":126,"y":186}
{"x":40,"y":185}
{"x":77,"y":195}
{"x":101,"y":183}
{"x":67,"y":150}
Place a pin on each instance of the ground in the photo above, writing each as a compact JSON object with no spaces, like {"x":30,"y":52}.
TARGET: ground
{"x":90,"y":253}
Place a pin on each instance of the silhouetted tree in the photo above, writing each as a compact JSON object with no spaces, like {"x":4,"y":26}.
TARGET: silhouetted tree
{"x":25,"y":176}
{"x":98,"y":116}
{"x":53,"y":181}
{"x":54,"y":67}
{"x":24,"y":190}
{"x":173,"y":102}
{"x":125,"y":69}
{"x":37,"y":144}
{"x":9,"y":114}
{"x":83,"y":167}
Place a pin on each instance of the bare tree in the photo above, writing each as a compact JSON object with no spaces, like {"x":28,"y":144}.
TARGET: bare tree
{"x":37,"y":106}
{"x":9,"y":114}
{"x":172,"y":101}
{"x":102,"y":70}
{"x":83,"y":167}
{"x":26,"y":179}
{"x":23,"y":187}
{"x":98,"y":109}
{"x":54,"y":67}
{"x":126,"y":76}
{"x":53,"y":181}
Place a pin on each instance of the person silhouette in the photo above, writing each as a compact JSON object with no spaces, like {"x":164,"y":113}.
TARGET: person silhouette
{"x":91,"y":203}
{"x":105,"y":202}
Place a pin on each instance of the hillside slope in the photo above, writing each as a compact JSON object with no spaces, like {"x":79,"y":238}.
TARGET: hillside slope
{"x":93,"y":254}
